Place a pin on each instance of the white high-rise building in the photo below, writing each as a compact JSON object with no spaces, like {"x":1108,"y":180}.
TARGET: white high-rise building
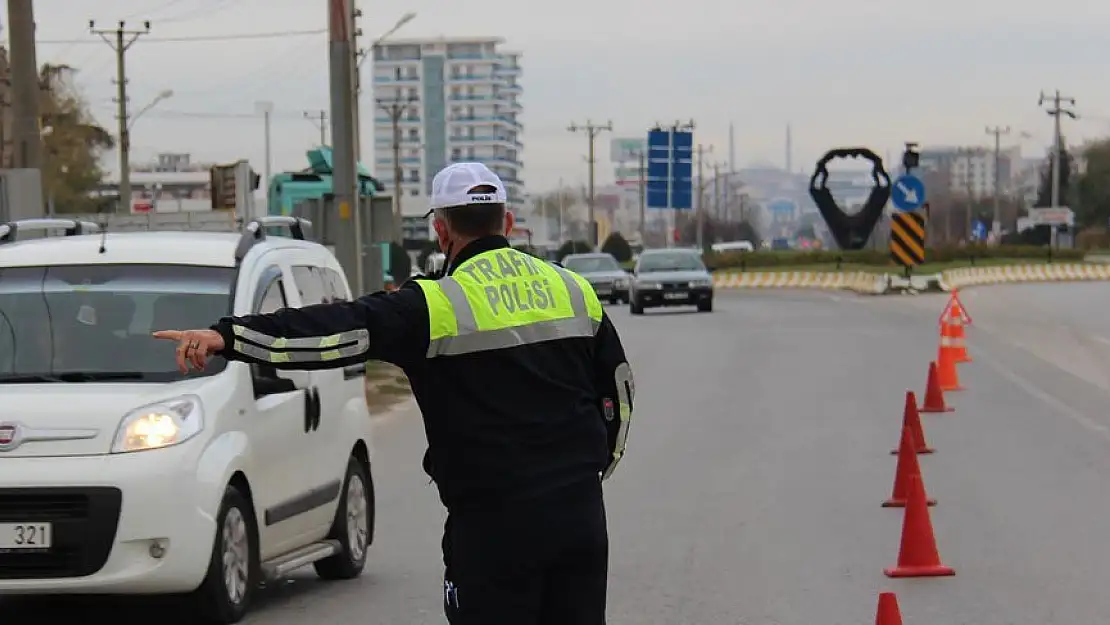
{"x":460,"y":100}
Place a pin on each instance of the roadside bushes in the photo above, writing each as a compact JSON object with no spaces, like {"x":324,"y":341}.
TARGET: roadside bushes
{"x":880,"y":258}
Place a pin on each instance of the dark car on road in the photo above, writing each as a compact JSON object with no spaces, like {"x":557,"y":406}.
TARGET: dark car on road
{"x":603,"y":272}
{"x":670,"y":277}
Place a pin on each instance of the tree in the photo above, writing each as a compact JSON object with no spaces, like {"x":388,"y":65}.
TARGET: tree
{"x":1092,"y":187}
{"x":573,"y":247}
{"x":72,"y":142}
{"x":617,"y":246}
{"x":1067,"y":166}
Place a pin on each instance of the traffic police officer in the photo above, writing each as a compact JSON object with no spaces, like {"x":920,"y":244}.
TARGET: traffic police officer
{"x":526,"y":396}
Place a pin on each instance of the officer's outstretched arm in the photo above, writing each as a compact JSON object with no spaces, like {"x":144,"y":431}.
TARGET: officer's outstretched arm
{"x":616,"y":389}
{"x":382,"y":326}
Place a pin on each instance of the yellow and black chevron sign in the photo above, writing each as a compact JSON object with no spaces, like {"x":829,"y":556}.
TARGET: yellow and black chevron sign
{"x":907,"y":239}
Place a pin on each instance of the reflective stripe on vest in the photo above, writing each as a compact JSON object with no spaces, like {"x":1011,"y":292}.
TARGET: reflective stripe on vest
{"x":275,"y":349}
{"x":505,"y":298}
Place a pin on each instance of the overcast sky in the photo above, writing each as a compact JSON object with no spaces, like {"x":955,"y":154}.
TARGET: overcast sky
{"x":841,"y":72}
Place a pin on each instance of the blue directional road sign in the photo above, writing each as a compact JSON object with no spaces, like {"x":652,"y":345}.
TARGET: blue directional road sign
{"x":908,"y":193}
{"x":979,"y":231}
{"x":670,"y":170}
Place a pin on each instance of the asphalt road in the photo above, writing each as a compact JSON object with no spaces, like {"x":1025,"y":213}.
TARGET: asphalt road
{"x":758,"y":459}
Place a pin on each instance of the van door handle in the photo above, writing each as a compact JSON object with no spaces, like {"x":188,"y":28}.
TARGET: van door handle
{"x":309,"y":406}
{"x":316,"y":411}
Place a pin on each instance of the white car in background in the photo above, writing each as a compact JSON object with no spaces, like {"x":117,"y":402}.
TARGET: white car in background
{"x":120,"y":475}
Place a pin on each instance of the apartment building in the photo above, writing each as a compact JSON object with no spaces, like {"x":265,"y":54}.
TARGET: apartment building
{"x":971,"y":170}
{"x":448,"y":100}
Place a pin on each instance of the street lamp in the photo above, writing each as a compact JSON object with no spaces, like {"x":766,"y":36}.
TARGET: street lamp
{"x":125,"y":149}
{"x":162,"y":95}
{"x":405,"y":19}
{"x":362,"y":56}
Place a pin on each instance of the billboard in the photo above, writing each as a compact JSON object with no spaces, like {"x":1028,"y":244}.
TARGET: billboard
{"x":626,"y":150}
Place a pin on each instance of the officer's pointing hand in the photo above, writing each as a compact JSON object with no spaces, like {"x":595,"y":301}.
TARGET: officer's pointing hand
{"x":193,"y":346}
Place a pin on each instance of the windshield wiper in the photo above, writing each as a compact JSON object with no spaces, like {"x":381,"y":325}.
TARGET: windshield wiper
{"x":70,"y":376}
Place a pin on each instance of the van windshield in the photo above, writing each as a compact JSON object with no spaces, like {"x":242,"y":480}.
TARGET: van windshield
{"x":92,"y":323}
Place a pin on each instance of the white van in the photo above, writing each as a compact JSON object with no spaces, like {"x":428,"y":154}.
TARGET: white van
{"x":122,"y":475}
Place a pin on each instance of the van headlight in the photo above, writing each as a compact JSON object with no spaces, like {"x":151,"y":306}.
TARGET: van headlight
{"x":164,"y":424}
{"x":621,"y":283}
{"x":701,"y":283}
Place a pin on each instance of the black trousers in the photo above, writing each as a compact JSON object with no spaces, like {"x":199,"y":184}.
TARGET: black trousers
{"x":539,"y":562}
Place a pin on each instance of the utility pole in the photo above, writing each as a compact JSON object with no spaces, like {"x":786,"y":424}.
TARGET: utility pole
{"x":120,"y":40}
{"x":642,"y":175}
{"x":970,"y":192}
{"x":26,"y":134}
{"x":997,"y":132}
{"x":267,"y":110}
{"x":320,"y":120}
{"x":345,"y":186}
{"x":395,"y":109}
{"x":592,"y":132}
{"x":1056,"y":111}
{"x":717,"y":191}
{"x":358,"y":56}
{"x":562,"y":209}
{"x":702,"y":150}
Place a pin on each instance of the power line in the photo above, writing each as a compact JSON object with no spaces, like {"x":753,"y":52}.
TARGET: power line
{"x":228,"y":37}
{"x":188,"y":16}
{"x":161,"y":7}
{"x":592,"y":132}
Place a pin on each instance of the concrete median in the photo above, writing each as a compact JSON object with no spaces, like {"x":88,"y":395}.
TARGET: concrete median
{"x":869,"y":283}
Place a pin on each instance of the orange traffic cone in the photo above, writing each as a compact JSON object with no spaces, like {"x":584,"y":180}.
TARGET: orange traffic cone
{"x":955,"y":321}
{"x":917,"y":555}
{"x":955,"y":297}
{"x":946,"y":364}
{"x":934,"y":396}
{"x":907,"y":470}
{"x":911,"y":421}
{"x":888,"y":612}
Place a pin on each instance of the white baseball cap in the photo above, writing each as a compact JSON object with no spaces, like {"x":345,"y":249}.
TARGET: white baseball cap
{"x":454,"y":186}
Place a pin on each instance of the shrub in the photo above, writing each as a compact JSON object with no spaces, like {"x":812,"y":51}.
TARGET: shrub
{"x":881,"y":258}
{"x":573,"y":247}
{"x":617,"y":246}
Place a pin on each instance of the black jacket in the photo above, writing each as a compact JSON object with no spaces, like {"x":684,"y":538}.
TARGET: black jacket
{"x":505,"y":424}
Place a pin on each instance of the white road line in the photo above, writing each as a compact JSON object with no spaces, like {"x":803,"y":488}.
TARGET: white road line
{"x":1046,"y":397}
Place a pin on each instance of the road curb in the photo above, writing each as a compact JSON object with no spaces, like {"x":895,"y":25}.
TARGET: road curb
{"x":1061,"y":272}
{"x":858,"y":281}
{"x":887,"y":283}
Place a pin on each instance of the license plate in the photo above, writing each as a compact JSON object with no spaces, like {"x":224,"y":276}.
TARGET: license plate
{"x":675,"y":295}
{"x":19,"y":536}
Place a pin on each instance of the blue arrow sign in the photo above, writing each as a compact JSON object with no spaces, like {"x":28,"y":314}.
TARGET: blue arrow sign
{"x":908,"y":193}
{"x":979,"y":231}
